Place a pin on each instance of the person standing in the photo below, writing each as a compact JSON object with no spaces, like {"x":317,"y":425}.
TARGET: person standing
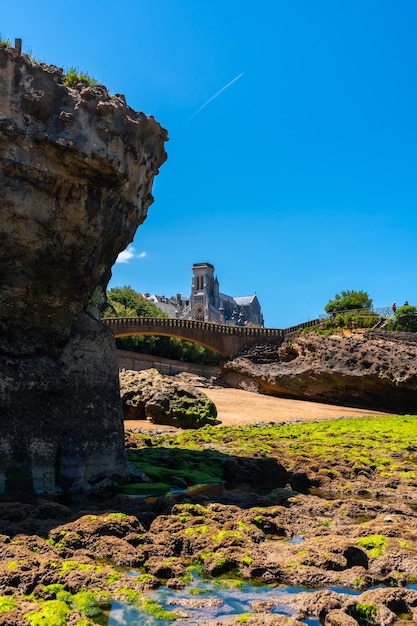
{"x":394,"y":307}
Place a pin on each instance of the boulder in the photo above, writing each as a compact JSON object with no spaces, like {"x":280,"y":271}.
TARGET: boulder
{"x":164,"y":400}
{"x":76,"y":173}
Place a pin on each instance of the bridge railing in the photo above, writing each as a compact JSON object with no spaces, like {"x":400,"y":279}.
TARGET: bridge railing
{"x":383,"y":311}
{"x":293,"y":329}
{"x":169,"y":322}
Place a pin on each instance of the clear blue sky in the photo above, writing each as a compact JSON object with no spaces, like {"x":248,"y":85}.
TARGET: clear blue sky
{"x":299,"y":179}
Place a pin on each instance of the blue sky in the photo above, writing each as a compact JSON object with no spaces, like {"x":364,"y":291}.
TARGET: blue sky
{"x":299,"y":179}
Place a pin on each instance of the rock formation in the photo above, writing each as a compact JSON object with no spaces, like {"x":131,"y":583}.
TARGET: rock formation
{"x":165,"y":400}
{"x":76,"y":172}
{"x":375,"y":370}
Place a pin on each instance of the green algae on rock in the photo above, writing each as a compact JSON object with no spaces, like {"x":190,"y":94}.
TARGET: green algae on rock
{"x":164,"y":400}
{"x":354,"y":538}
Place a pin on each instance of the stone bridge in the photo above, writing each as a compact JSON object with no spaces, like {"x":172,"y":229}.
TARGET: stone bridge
{"x":226,"y":340}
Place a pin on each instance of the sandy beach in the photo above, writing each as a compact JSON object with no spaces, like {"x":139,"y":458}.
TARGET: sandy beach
{"x":236,"y":407}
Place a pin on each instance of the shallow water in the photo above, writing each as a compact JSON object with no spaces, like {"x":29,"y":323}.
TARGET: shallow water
{"x":234,"y":601}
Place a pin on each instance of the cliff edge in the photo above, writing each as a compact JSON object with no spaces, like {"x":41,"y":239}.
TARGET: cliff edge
{"x":76,"y":172}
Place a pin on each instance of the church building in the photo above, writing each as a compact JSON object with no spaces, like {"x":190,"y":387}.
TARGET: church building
{"x":207,"y":303}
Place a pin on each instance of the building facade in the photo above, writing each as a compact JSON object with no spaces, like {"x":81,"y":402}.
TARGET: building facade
{"x":207,"y":303}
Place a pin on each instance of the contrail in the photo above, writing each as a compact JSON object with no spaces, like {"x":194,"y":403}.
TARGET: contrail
{"x":215,"y":95}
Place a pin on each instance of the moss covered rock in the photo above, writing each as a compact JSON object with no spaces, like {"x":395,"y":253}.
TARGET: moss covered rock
{"x":164,"y":400}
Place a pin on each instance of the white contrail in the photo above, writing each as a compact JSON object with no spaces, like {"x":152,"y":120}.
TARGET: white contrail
{"x":216,"y":94}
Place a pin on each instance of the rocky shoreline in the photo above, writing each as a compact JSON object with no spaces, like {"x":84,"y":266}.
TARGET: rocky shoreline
{"x":325,"y":528}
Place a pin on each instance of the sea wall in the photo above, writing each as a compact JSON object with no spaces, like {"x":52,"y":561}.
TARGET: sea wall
{"x":137,"y":361}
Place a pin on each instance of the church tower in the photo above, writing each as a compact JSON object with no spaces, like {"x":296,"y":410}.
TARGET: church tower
{"x":208,"y":304}
{"x":203,"y":291}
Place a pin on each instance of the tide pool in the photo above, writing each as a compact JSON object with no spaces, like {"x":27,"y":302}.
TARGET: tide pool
{"x":219,"y":600}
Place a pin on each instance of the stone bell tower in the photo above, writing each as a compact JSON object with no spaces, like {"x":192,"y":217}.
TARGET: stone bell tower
{"x":204,"y":291}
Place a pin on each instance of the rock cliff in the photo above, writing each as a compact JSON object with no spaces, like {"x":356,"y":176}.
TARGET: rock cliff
{"x":363,"y":369}
{"x":76,"y":173}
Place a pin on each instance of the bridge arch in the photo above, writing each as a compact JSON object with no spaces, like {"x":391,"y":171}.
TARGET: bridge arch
{"x":161,"y":333}
{"x":223,"y":339}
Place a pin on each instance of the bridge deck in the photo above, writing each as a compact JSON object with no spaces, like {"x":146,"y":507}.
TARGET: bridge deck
{"x":222,"y":338}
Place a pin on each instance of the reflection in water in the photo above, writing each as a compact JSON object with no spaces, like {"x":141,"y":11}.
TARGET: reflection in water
{"x":189,"y":603}
{"x":124,"y":615}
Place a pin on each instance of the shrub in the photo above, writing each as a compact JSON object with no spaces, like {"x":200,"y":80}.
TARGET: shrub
{"x":72,"y":77}
{"x":339,"y":321}
{"x":363,"y":320}
{"x":405,"y":319}
{"x":349,"y":320}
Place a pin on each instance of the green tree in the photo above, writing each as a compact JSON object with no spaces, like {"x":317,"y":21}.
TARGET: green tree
{"x":405,"y":318}
{"x":349,"y":300}
{"x":126,"y":302}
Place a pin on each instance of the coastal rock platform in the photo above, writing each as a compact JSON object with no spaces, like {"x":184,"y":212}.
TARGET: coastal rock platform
{"x":364,"y":369}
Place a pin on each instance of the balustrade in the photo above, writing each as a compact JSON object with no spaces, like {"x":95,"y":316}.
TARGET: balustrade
{"x":135,"y":323}
{"x":211,"y":327}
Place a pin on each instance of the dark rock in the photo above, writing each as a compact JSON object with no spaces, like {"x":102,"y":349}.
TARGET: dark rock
{"x":118,"y":550}
{"x":76,"y":173}
{"x":83,"y":531}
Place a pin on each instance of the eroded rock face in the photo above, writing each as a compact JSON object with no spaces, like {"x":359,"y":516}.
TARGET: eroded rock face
{"x":364,"y":369}
{"x":76,"y":173}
